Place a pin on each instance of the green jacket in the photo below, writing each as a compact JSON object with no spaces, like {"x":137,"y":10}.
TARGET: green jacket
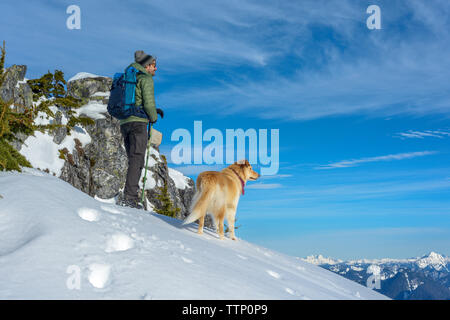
{"x":145,"y":95}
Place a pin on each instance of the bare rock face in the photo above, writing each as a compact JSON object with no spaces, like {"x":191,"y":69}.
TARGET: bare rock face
{"x":98,"y":168}
{"x":15,"y":88}
{"x":85,"y":88}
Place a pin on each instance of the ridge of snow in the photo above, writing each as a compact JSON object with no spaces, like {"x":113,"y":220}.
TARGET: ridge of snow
{"x":180,"y":180}
{"x":319,"y":260}
{"x":432,"y":259}
{"x":101,"y":94}
{"x":94,"y":110}
{"x":24,"y":81}
{"x":52,"y":234}
{"x":83,"y":75}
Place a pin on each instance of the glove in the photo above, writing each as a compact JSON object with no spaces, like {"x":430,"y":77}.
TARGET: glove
{"x":160,"y":112}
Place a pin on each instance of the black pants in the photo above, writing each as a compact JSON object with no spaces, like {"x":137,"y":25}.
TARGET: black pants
{"x":135,"y":137}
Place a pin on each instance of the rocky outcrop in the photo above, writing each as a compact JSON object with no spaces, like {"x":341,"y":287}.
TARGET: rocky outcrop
{"x":15,"y":89}
{"x":98,"y":168}
{"x":86,"y":88}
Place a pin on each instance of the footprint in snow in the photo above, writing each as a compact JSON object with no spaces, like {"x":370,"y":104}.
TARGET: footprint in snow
{"x":180,"y":245}
{"x":187,"y":260}
{"x":111,"y":210}
{"x":99,"y":275}
{"x":267,"y":254}
{"x":88,"y":214}
{"x":119,"y":242}
{"x":274,"y":274}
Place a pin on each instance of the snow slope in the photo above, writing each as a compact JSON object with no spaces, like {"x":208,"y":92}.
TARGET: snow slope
{"x":52,"y":234}
{"x":83,"y":75}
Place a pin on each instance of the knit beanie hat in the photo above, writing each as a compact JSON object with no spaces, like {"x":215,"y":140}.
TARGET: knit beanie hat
{"x":142,"y":58}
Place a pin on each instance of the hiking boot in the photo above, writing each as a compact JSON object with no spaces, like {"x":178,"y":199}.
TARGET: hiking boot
{"x":132,"y":203}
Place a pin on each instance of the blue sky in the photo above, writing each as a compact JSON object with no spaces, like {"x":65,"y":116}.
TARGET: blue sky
{"x":363,"y":115}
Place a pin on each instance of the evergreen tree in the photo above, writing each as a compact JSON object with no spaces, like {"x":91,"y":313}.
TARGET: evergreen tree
{"x":167,"y":208}
{"x":53,"y":88}
{"x":11,"y":123}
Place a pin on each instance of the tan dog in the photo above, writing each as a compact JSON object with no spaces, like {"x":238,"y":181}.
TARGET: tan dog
{"x":218,"y":193}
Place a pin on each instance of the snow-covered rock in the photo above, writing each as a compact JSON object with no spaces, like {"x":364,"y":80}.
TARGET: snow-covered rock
{"x":56,"y":242}
{"x":433,"y":260}
{"x":320,"y":260}
{"x":83,"y":75}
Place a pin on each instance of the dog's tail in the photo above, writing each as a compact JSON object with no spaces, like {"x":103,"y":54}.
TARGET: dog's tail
{"x":199,"y":202}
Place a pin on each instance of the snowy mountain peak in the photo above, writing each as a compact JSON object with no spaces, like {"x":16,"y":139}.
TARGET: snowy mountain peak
{"x":432,"y":259}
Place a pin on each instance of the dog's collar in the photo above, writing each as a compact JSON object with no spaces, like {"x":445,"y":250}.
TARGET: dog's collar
{"x":242,"y":181}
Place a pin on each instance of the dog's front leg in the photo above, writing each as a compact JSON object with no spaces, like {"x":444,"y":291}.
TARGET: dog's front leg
{"x":221,"y":232}
{"x":231,"y":214}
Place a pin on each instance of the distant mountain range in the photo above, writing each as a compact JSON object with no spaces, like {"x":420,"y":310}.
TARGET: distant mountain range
{"x":422,"y":278}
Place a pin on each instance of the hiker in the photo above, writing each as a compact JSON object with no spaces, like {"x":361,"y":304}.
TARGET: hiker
{"x":135,"y":129}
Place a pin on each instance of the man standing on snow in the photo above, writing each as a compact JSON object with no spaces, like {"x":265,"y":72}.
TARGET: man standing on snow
{"x":135,"y":129}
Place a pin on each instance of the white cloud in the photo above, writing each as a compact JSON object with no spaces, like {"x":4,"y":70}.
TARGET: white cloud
{"x":368,"y":190}
{"x":390,"y":157}
{"x":424,"y":134}
{"x":264,"y":186}
{"x":277,"y":176}
{"x":387,"y":73}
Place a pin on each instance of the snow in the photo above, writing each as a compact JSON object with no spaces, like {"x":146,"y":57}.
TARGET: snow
{"x":356,"y":268}
{"x":56,"y":242}
{"x":24,"y":81}
{"x":99,"y":275}
{"x":150,"y":182}
{"x":43,"y":119}
{"x":43,"y":153}
{"x":433,"y":259}
{"x":180,"y":180}
{"x":89,"y":214}
{"x":320,"y":260}
{"x":93,"y":110}
{"x":374,"y":269}
{"x":119,"y":242}
{"x":101,"y":94}
{"x":83,"y":75}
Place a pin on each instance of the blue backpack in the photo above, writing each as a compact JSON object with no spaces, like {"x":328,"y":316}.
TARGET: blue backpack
{"x":122,"y":98}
